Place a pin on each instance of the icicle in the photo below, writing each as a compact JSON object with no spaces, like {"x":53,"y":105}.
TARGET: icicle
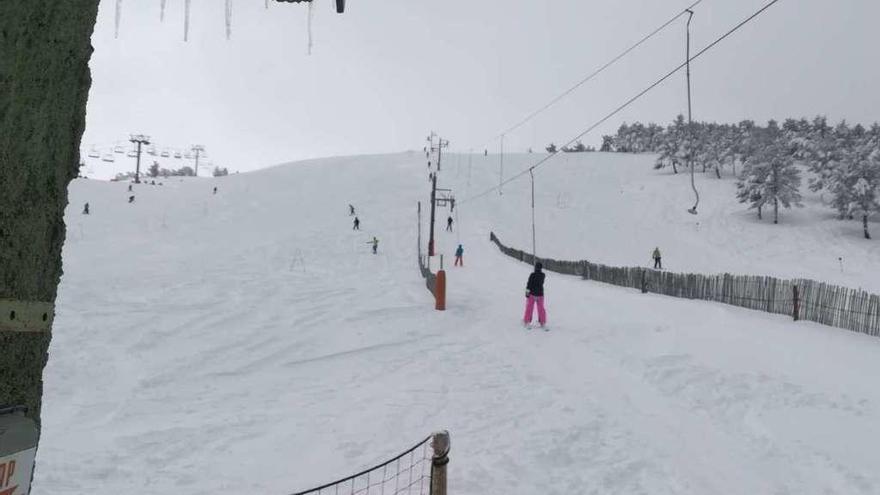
{"x":311,"y":14}
{"x":228,"y":19}
{"x":162,"y":11}
{"x":186,"y":20}
{"x":118,"y":16}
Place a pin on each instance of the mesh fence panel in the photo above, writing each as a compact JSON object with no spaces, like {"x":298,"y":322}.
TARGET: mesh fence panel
{"x":407,"y":474}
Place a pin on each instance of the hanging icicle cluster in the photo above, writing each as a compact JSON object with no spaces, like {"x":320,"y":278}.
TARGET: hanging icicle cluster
{"x":118,"y":16}
{"x":228,"y":19}
{"x":311,"y":15}
{"x":186,"y":9}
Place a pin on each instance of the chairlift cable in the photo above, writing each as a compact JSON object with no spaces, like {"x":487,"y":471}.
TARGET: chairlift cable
{"x":593,"y":74}
{"x":630,"y":101}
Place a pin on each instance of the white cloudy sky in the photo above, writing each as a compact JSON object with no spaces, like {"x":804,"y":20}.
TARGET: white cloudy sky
{"x":387,"y":71}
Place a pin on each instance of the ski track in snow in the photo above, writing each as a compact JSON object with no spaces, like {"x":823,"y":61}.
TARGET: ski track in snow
{"x":249,"y":342}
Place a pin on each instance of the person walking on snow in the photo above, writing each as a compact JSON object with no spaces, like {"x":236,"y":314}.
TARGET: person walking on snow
{"x":449,"y":224}
{"x":350,"y":210}
{"x":458,"y":254}
{"x":535,"y":296}
{"x":375,"y":243}
{"x":86,"y":209}
{"x":357,"y":224}
{"x":657,"y":263}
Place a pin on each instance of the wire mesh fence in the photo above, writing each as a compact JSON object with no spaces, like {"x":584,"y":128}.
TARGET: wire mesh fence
{"x":410,"y":473}
{"x":803,"y":299}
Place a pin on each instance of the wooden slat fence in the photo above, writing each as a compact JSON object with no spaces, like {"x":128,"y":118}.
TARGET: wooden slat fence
{"x":802,"y":299}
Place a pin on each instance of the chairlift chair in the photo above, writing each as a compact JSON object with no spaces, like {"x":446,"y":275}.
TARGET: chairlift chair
{"x":132,"y":154}
{"x":93,"y":153}
{"x":152,"y":151}
{"x":108,"y":158}
{"x":177,"y":155}
{"x":188,"y":155}
{"x":340,"y":4}
{"x":119,"y":149}
{"x":165,"y":154}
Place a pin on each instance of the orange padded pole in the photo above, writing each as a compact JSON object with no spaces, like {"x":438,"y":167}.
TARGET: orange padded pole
{"x":440,"y":291}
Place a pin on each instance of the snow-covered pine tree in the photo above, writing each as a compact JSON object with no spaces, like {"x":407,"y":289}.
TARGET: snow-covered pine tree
{"x":638,"y":141}
{"x":855,"y":183}
{"x":551,"y":148}
{"x":654,"y":133}
{"x":771,"y":176}
{"x":672,"y":145}
{"x":750,"y":187}
{"x":745,"y":142}
{"x":621,"y":142}
{"x":818,"y":153}
{"x":727,"y":149}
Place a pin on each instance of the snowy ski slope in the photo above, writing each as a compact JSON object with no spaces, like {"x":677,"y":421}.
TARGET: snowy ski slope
{"x":249,"y":342}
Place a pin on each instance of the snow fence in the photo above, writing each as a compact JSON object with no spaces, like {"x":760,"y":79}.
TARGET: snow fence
{"x":421,"y":470}
{"x":802,"y":299}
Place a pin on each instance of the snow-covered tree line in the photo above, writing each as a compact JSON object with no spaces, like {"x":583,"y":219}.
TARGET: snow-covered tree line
{"x":769,"y":162}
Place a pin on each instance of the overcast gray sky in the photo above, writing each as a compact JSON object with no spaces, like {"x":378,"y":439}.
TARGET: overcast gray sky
{"x":387,"y":71}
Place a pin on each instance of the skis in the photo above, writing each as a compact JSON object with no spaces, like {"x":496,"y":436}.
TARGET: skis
{"x":529,"y":326}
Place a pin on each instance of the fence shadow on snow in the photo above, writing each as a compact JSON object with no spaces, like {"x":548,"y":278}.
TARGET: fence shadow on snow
{"x":802,"y":299}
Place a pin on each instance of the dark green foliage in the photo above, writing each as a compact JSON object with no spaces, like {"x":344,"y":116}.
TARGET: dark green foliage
{"x":45,"y":48}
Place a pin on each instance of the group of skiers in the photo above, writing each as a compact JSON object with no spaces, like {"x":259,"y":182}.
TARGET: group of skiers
{"x":356,"y":225}
{"x":131,"y":198}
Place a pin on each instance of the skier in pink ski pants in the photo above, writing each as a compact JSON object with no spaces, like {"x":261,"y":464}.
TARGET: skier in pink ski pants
{"x":535,"y":296}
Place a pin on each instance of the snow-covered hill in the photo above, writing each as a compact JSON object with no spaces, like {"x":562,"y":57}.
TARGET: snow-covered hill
{"x":614,"y":209}
{"x":248,"y":342}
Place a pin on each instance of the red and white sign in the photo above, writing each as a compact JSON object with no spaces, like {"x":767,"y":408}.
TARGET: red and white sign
{"x":15,"y":472}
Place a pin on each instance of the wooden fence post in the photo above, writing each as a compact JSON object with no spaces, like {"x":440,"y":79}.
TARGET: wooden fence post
{"x":795,"y":300}
{"x":644,"y":282}
{"x":440,"y":443}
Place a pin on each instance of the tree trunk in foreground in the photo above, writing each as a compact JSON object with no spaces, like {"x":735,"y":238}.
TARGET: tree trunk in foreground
{"x":45,"y":46}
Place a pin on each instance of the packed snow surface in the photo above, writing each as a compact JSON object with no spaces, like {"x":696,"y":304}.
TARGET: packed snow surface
{"x":249,"y":342}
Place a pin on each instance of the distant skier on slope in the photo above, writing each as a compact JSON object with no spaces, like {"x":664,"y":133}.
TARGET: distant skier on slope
{"x":657,"y":262}
{"x":458,"y":256}
{"x":86,"y":209}
{"x":535,"y":296}
{"x":375,"y":243}
{"x":350,"y":210}
{"x":357,"y":224}
{"x":449,"y":224}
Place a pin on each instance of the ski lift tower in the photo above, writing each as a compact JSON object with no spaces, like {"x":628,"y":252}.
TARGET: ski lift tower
{"x":197,"y":149}
{"x":139,"y":140}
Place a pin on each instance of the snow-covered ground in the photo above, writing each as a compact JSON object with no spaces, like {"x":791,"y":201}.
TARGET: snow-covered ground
{"x":249,"y":342}
{"x":614,"y":209}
